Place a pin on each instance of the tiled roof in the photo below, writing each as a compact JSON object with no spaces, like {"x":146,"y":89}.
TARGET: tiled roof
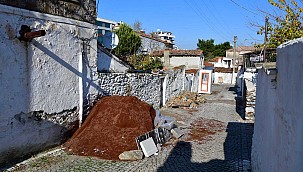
{"x":208,"y":64}
{"x":179,"y":52}
{"x":215,"y":59}
{"x":191,"y":70}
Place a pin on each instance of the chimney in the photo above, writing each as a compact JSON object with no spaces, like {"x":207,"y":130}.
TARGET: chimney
{"x":166,"y":59}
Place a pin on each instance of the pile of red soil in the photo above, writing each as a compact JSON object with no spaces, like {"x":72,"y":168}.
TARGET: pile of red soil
{"x":111,"y":127}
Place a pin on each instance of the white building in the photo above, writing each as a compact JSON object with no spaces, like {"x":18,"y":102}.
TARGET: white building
{"x":105,"y":32}
{"x":164,"y":35}
{"x":222,"y":62}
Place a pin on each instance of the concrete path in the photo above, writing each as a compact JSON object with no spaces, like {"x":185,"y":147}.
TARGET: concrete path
{"x":216,"y":139}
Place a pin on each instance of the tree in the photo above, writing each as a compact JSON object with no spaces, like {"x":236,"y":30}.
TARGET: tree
{"x":210,"y":50}
{"x":286,"y":27}
{"x":137,"y":26}
{"x":129,"y":42}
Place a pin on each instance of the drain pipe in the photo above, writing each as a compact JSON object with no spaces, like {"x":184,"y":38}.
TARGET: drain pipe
{"x":80,"y":68}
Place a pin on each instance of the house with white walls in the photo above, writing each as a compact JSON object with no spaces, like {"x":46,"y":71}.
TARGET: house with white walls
{"x":223,"y":62}
{"x":47,"y":67}
{"x":191,"y":59}
{"x":151,"y":43}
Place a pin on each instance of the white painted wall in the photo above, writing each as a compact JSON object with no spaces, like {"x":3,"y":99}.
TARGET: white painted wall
{"x":110,"y":63}
{"x":189,"y":62}
{"x":278,"y":138}
{"x":39,"y":80}
{"x":226,"y":77}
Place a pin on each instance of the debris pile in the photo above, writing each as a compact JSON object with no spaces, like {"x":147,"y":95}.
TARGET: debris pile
{"x":112,"y":127}
{"x":186,"y":100}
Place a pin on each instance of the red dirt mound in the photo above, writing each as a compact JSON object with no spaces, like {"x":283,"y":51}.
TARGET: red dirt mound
{"x":111,"y":127}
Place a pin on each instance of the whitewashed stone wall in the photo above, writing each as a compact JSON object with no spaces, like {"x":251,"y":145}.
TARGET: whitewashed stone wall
{"x":145,"y":86}
{"x":173,"y":83}
{"x":223,"y":78}
{"x":191,"y":82}
{"x":278,"y":138}
{"x":40,"y":80}
{"x":156,"y":90}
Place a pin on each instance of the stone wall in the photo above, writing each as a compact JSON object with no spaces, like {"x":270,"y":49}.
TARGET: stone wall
{"x":191,"y":82}
{"x":43,"y":81}
{"x":83,"y":10}
{"x":153,"y":89}
{"x":173,"y":83}
{"x":145,"y":86}
{"x":278,"y":139}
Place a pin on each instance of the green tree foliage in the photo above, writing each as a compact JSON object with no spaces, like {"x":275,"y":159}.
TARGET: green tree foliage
{"x":210,"y":50}
{"x":129,"y":42}
{"x":145,"y":62}
{"x":286,"y":27}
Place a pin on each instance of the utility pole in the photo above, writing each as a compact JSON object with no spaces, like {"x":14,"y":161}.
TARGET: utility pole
{"x":265,"y":38}
{"x":234,"y":58}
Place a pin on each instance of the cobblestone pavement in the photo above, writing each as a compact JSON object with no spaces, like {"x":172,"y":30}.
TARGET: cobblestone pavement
{"x":226,"y":150}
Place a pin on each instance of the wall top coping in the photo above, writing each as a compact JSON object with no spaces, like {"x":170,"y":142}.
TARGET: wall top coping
{"x":270,"y":68}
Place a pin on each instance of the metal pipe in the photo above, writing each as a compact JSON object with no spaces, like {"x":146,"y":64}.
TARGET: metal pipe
{"x":31,"y":35}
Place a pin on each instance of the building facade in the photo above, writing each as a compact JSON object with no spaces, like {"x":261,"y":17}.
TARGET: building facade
{"x":46,"y":81}
{"x":106,"y":36}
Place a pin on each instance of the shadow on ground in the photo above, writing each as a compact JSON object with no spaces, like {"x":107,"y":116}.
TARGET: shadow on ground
{"x":237,"y":149}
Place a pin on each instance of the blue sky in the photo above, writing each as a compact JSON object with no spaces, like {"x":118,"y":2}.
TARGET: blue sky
{"x":190,"y":20}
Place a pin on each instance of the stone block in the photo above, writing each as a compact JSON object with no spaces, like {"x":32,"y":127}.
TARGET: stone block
{"x":249,"y":109}
{"x":131,"y":155}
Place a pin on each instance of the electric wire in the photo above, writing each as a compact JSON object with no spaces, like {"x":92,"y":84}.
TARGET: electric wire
{"x":246,"y":8}
{"x":200,"y":14}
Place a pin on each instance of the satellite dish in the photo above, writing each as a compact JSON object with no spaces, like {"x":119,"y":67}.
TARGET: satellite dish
{"x":110,"y":40}
{"x":115,"y":41}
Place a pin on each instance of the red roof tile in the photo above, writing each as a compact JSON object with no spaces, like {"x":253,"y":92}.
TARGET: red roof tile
{"x":179,"y":52}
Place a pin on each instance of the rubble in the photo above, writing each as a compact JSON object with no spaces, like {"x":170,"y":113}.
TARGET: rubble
{"x":148,"y":147}
{"x":187,"y":99}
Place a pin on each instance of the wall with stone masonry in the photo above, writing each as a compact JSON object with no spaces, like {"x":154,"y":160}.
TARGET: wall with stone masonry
{"x":83,"y":10}
{"x":145,"y":86}
{"x":153,"y":89}
{"x":278,"y":139}
{"x":174,"y":83}
{"x":191,"y":82}
{"x":40,"y":80}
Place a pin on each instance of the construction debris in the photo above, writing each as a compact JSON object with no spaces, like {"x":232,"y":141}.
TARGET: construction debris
{"x":148,"y":147}
{"x":187,"y":99}
{"x":112,"y":127}
{"x":119,"y":125}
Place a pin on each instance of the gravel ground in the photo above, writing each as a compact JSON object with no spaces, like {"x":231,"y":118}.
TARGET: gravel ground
{"x":224,"y":143}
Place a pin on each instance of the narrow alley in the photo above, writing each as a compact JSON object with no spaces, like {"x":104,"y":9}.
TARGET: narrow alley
{"x":215,"y":138}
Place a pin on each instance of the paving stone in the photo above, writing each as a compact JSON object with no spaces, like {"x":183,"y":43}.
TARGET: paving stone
{"x":228,"y":150}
